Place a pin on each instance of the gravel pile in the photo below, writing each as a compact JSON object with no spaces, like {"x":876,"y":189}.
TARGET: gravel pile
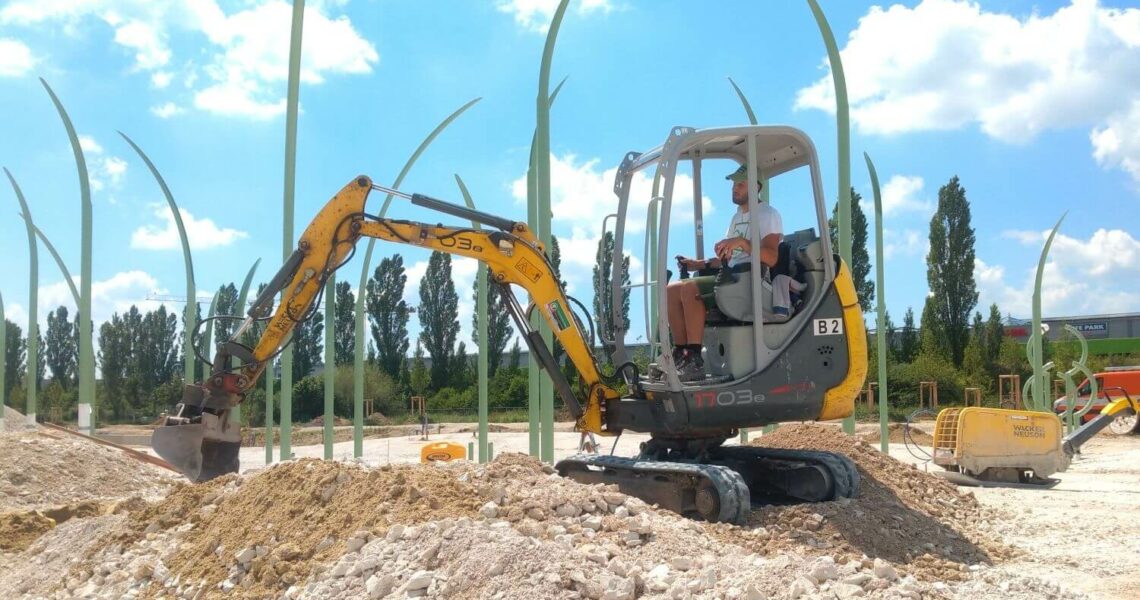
{"x":510,"y":529}
{"x":41,"y":469}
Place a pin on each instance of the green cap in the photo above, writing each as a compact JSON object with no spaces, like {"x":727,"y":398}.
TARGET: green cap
{"x":739,"y":175}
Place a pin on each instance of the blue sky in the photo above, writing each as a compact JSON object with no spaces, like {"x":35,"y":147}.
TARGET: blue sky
{"x":1034,"y":105}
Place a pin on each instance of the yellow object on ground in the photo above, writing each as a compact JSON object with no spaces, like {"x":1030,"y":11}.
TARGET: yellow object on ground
{"x":999,"y":445}
{"x":442,"y":452}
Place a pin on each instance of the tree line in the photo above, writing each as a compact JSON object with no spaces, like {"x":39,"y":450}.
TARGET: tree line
{"x":140,"y":354}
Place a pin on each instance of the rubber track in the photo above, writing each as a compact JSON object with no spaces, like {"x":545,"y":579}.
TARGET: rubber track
{"x":730,"y":486}
{"x":843,"y":471}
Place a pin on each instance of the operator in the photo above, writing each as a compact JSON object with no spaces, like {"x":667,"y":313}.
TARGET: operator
{"x":689,"y":299}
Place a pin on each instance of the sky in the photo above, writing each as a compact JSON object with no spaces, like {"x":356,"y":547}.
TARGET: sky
{"x":1035,"y":106}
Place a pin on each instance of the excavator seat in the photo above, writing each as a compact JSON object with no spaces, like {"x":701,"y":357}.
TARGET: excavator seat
{"x":728,"y":333}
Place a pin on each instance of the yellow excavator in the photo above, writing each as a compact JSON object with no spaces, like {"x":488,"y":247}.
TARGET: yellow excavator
{"x":763,"y":366}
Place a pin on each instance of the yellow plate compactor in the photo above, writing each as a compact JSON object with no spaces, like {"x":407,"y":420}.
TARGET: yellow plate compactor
{"x":977,"y":445}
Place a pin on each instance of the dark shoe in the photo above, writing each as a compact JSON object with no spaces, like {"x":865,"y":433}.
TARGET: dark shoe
{"x":693,"y":369}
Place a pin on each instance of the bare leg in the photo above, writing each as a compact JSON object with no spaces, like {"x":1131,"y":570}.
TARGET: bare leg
{"x":694,"y":309}
{"x":675,"y":294}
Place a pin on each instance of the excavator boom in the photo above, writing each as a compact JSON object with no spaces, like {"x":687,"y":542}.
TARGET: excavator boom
{"x":198,"y":438}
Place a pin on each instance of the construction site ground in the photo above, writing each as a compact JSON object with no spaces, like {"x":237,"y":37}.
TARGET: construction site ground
{"x":82,"y":520}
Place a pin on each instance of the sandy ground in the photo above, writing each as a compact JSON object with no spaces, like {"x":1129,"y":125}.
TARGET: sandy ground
{"x":1080,"y":533}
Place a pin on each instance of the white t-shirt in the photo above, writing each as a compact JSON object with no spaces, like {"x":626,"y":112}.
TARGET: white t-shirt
{"x":769,"y":221}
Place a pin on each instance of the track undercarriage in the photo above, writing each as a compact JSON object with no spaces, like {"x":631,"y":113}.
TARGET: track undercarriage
{"x":718,"y":483}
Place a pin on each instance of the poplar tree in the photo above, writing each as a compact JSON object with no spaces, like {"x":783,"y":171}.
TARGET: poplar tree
{"x":388,"y":313}
{"x":227,"y":298}
{"x":908,"y":338}
{"x":499,"y":328}
{"x":950,"y":269}
{"x":15,"y":352}
{"x":60,"y":352}
{"x":860,"y":260}
{"x":439,"y":317}
{"x":344,"y":324}
{"x":603,"y":287}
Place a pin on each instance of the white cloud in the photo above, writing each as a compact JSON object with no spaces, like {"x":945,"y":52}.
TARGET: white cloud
{"x":902,"y":193}
{"x":101,"y":167}
{"x":15,"y":58}
{"x":165,"y":111}
{"x":1082,"y":276}
{"x":581,"y":195}
{"x":1117,"y":142}
{"x":945,"y":64}
{"x":161,"y":79}
{"x":245,"y":52}
{"x":255,"y":53}
{"x":908,"y":242}
{"x":201,"y":233}
{"x":115,"y":294}
{"x":88,"y":144}
{"x":151,"y":51}
{"x":535,"y":15}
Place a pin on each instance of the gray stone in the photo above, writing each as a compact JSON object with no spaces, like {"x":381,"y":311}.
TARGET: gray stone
{"x":884,"y":570}
{"x":681,"y":563}
{"x":355,"y":544}
{"x":594,"y":523}
{"x":801,"y":586}
{"x":420,"y":580}
{"x":754,"y":593}
{"x":847,"y":590}
{"x":379,"y":586}
{"x":823,"y":569}
{"x":246,"y":556}
{"x":490,"y":510}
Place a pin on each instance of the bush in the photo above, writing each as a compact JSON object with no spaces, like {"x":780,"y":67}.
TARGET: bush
{"x":903,"y":380}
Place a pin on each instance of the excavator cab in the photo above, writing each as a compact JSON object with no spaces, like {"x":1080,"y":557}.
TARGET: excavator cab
{"x":782,"y":366}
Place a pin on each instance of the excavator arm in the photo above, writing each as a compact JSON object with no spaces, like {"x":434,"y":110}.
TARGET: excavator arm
{"x":199,"y":439}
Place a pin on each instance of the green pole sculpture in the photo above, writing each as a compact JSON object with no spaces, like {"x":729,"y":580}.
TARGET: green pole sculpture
{"x":208,"y":337}
{"x":86,"y":349}
{"x":58,"y":261}
{"x":481,"y":311}
{"x":764,"y":191}
{"x":3,"y":369}
{"x":330,"y":362}
{"x":269,"y":377}
{"x":358,"y":359}
{"x":287,"y":228}
{"x":33,"y":303}
{"x":1039,"y":384}
{"x":532,"y":373}
{"x":542,"y":186}
{"x":843,"y":130}
{"x":235,"y":412}
{"x":190,"y":319}
{"x":881,"y":308}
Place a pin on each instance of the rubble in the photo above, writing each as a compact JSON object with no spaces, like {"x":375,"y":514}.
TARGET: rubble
{"x":512,"y":529}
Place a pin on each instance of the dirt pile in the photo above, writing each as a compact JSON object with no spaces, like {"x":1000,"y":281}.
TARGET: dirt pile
{"x":18,"y":529}
{"x":45,"y":470}
{"x":14,"y":420}
{"x":896,"y":434}
{"x":509,"y":529}
{"x":903,"y":515}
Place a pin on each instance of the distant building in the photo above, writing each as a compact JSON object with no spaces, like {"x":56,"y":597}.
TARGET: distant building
{"x":1106,"y":334}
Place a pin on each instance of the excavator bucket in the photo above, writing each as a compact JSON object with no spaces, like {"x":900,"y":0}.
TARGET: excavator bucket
{"x":200,"y":450}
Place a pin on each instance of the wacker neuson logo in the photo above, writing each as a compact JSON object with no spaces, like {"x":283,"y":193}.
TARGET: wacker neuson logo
{"x":1028,"y":431}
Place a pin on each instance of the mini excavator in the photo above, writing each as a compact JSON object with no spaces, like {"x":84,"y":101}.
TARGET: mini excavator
{"x":763,"y":366}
